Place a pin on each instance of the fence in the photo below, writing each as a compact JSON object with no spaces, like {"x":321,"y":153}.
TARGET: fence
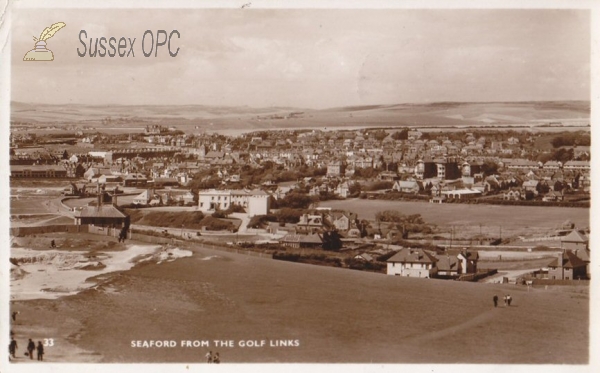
{"x":28,"y":231}
{"x":477,"y":276}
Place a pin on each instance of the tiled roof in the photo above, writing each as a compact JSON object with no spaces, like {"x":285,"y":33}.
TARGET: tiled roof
{"x":574,"y":236}
{"x":309,"y":238}
{"x":407,"y":255}
{"x":105,"y":211}
{"x":569,"y":260}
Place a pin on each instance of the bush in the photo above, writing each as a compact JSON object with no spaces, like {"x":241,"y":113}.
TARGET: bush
{"x":258,"y":221}
{"x":213,"y":224}
{"x":219,"y":214}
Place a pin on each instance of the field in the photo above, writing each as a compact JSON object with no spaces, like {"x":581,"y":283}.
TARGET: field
{"x":335,"y":315}
{"x":466,"y":219}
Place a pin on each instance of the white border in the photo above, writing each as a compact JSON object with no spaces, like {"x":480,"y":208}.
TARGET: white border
{"x":5,"y":60}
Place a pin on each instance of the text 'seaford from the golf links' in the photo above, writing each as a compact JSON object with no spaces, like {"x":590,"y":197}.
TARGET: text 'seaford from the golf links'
{"x":217,"y":343}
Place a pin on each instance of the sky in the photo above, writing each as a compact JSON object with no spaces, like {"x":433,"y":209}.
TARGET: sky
{"x":308,"y":58}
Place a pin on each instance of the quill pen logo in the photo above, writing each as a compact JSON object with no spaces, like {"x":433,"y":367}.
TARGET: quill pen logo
{"x":40,"y":52}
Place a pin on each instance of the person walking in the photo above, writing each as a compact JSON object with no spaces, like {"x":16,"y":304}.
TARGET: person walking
{"x":14,"y":315}
{"x":495,"y":301}
{"x":505,"y":300}
{"x":509,"y":299}
{"x":217,"y":358}
{"x":209,"y":357}
{"x":40,"y":351}
{"x":30,"y":348}
{"x":12,"y":347}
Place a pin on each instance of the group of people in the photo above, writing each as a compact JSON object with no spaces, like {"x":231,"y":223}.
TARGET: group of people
{"x":210,"y":358}
{"x":31,"y":347}
{"x":507,"y":300}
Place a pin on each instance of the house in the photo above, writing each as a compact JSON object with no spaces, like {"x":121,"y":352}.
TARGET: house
{"x":448,"y":266}
{"x":144,"y":198}
{"x":553,"y":196}
{"x":412,"y":263}
{"x":567,"y":266}
{"x":406,"y":186}
{"x":135,"y":180}
{"x":309,"y":223}
{"x":301,"y":241}
{"x":574,"y":241}
{"x":335,"y":169}
{"x":342,"y":221}
{"x":364,"y":257}
{"x":102,"y":215}
{"x":187,"y":198}
{"x":255,"y":202}
{"x":468,"y":261}
{"x":343,"y":189}
{"x":513,"y":194}
{"x":457,"y":262}
{"x":388,"y":176}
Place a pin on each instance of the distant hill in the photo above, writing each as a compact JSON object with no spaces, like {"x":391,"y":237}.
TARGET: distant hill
{"x":243,"y":117}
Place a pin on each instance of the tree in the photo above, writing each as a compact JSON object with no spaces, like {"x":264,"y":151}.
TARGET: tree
{"x":79,"y":170}
{"x":331,"y":241}
{"x":401,"y":135}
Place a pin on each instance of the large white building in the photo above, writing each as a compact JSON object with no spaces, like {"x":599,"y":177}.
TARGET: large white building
{"x":255,"y":202}
{"x":412,"y":263}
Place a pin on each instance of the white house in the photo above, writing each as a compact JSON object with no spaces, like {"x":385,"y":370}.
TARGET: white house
{"x":412,"y":263}
{"x":255,"y":202}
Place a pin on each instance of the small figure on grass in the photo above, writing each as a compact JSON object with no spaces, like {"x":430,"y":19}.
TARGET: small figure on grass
{"x":508,"y":299}
{"x":30,"y":348}
{"x":40,"y":351}
{"x":12,"y":347}
{"x":495,"y":301}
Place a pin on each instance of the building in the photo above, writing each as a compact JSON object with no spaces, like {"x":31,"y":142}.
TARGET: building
{"x":135,"y":180}
{"x":335,"y":169}
{"x":406,"y":186}
{"x":567,"y":266}
{"x":302,"y":241}
{"x":464,"y":193}
{"x":255,"y":202}
{"x":309,"y":224}
{"x":574,"y":241}
{"x":412,"y":263}
{"x":37,"y":171}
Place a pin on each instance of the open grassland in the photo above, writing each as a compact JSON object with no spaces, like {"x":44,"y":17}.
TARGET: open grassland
{"x":193,"y":117}
{"x":336,"y":315}
{"x":513,"y":220}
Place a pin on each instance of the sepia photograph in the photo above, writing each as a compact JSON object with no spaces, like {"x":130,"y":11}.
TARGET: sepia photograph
{"x":253,"y":183}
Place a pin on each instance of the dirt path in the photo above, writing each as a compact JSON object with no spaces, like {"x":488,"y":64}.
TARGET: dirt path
{"x":452,"y":330}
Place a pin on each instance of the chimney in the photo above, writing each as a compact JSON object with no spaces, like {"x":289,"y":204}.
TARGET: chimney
{"x":114,"y":198}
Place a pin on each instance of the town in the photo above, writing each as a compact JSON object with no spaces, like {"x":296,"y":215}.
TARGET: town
{"x":309,"y":195}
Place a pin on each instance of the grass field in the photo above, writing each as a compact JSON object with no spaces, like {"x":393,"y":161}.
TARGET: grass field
{"x":336,"y":315}
{"x":514,"y":220}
